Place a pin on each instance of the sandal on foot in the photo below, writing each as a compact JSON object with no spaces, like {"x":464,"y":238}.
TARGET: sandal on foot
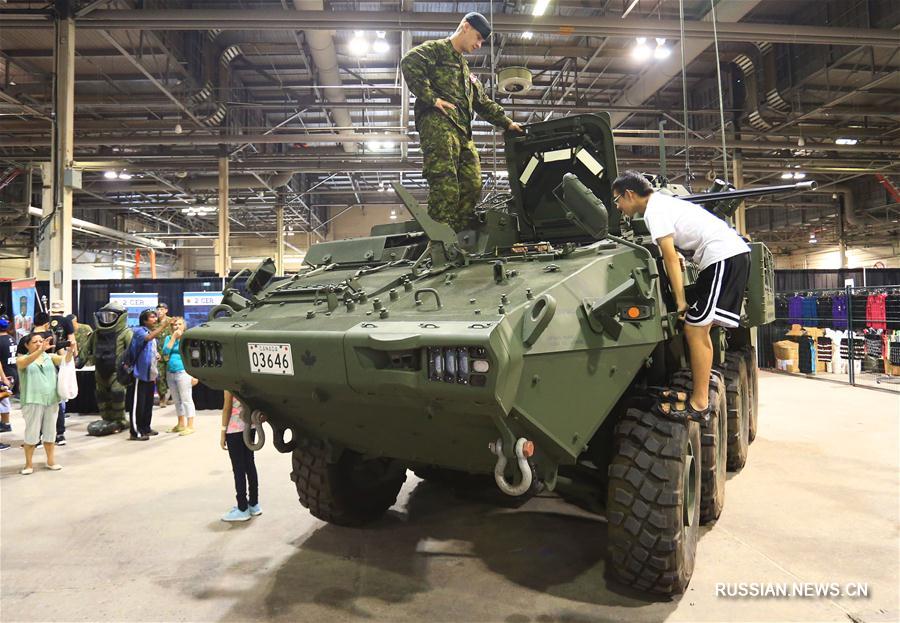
{"x":686,"y":412}
{"x":26,"y":470}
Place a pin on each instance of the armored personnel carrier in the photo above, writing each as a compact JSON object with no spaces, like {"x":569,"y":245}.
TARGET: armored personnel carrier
{"x":527,"y":349}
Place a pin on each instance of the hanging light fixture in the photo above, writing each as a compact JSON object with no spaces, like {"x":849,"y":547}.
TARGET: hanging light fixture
{"x":380,"y":45}
{"x":359,"y":45}
{"x":662,"y":51}
{"x":641,"y":51}
{"x":540,"y":7}
{"x":111,"y":175}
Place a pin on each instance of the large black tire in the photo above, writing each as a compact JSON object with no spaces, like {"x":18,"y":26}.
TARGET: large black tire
{"x":753,"y":375}
{"x":349,"y":492}
{"x":653,"y":502}
{"x":737,"y":383}
{"x":714,"y":443}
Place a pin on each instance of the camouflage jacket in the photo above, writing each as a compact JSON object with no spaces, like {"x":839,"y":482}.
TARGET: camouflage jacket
{"x":435,"y":70}
{"x":160,"y":339}
{"x":82,"y":335}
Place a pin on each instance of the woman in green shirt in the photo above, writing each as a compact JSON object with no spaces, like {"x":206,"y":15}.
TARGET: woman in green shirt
{"x":38,"y":395}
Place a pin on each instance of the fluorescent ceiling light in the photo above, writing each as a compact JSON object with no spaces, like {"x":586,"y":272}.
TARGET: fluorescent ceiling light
{"x":662,"y":51}
{"x":540,"y":7}
{"x":846,"y":141}
{"x":380,"y":45}
{"x":359,"y":46}
{"x":124,"y":176}
{"x":111,"y":175}
{"x":787,"y":176}
{"x":527,"y":35}
{"x":641,"y":52}
{"x":799,"y":176}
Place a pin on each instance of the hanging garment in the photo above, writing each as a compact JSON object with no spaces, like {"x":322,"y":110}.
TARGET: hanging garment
{"x":839,"y":312}
{"x":875,"y":311}
{"x":858,"y":304}
{"x":807,"y":355}
{"x":795,"y":309}
{"x":894,"y":356}
{"x":824,"y":307}
{"x":781,"y":307}
{"x":892,"y":311}
{"x":824,"y":347}
{"x":874,"y":360}
{"x":810,"y":312}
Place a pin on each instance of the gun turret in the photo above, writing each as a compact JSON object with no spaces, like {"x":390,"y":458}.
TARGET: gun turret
{"x":725,"y":202}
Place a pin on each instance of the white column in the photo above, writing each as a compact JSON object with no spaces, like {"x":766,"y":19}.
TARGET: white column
{"x":223,"y":252}
{"x":279,"y":234}
{"x":737,"y":178}
{"x":60,"y":227}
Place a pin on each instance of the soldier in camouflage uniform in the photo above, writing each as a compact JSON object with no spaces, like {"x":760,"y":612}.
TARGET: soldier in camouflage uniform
{"x":82,"y":333}
{"x":162,"y":387}
{"x":447,"y":96}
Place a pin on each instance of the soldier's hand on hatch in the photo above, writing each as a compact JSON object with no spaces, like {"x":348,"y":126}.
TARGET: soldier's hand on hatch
{"x":515,"y":127}
{"x":443,"y":105}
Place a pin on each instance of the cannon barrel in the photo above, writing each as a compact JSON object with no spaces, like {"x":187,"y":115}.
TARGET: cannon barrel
{"x":750,"y":192}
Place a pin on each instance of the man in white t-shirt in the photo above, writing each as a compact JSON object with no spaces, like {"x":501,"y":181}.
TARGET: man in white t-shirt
{"x":724,"y":261}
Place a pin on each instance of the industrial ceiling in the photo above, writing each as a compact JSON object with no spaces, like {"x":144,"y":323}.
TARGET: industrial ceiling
{"x":809,"y":89}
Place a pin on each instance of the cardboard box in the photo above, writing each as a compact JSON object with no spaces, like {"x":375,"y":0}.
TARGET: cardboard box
{"x":787,"y":365}
{"x":787,"y":355}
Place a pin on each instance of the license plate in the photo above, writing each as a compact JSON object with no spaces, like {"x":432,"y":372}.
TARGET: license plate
{"x":271,"y":359}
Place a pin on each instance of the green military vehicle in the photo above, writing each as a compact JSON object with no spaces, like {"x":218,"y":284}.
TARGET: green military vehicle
{"x":528,"y":349}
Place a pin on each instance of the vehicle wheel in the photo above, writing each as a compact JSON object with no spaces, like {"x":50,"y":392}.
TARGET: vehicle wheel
{"x":714,"y":444}
{"x":653,"y":503}
{"x":351,"y":492}
{"x":737,"y":384}
{"x":753,"y":376}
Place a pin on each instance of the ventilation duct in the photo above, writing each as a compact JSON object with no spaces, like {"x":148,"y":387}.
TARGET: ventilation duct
{"x":762,"y":100}
{"x":199,"y":184}
{"x":324,"y":56}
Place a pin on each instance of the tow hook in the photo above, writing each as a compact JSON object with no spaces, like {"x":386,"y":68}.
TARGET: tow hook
{"x":524,"y":450}
{"x":254,"y":422}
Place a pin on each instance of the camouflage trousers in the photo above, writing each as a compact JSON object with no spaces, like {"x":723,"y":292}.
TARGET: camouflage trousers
{"x":452,"y":169}
{"x":162,"y":387}
{"x":110,"y":398}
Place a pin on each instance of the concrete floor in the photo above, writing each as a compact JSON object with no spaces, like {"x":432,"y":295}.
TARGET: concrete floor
{"x":131,"y":532}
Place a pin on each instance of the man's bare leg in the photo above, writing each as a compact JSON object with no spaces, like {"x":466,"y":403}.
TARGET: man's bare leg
{"x":701,"y":353}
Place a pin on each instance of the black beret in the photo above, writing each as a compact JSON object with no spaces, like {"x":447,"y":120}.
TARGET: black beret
{"x":479,"y":23}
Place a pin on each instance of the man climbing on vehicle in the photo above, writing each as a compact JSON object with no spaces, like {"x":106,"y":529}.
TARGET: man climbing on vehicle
{"x":716,"y":299}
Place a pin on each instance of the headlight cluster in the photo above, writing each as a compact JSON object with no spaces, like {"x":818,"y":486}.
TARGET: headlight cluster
{"x":465,"y":365}
{"x":204,"y":353}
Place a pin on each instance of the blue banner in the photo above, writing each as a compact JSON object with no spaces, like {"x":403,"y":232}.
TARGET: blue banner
{"x":197,"y":306}
{"x":135,"y":303}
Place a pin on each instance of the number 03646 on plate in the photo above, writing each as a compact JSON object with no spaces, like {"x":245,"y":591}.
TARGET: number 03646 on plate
{"x":271,"y":359}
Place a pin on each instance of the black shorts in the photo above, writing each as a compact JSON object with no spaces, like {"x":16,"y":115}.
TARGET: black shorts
{"x":719,"y":293}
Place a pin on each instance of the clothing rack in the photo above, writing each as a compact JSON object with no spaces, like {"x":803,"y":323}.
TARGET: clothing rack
{"x":857,"y":326}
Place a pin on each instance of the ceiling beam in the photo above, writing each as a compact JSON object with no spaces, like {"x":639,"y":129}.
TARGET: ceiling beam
{"x":571,"y":25}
